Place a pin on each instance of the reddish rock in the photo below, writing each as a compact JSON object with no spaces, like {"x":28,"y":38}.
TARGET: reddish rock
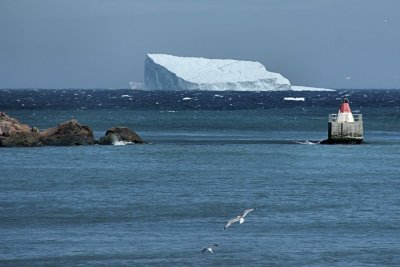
{"x":69,"y":133}
{"x":14,"y":133}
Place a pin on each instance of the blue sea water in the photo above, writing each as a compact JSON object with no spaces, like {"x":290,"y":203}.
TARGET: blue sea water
{"x":210,"y":156}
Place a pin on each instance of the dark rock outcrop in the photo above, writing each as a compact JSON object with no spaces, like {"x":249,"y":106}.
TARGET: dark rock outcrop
{"x":69,"y":133}
{"x":13,"y":133}
{"x":341,"y":142}
{"x":120,"y":134}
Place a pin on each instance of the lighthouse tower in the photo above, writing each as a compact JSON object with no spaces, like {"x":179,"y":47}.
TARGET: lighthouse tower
{"x":344,"y":127}
{"x":344,"y":114}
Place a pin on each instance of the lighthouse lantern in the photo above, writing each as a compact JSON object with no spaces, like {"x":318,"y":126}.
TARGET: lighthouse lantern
{"x":344,"y":114}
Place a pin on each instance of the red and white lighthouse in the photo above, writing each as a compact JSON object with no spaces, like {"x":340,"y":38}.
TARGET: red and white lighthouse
{"x":343,"y":127}
{"x":344,"y":114}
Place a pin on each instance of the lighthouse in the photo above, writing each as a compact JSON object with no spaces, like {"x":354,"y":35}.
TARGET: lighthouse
{"x":344,"y":114}
{"x":344,"y":127}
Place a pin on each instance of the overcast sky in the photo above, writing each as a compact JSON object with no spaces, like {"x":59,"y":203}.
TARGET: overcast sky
{"x":103,"y":43}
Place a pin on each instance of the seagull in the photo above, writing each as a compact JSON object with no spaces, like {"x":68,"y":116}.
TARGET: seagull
{"x":239,"y":218}
{"x":210,"y":248}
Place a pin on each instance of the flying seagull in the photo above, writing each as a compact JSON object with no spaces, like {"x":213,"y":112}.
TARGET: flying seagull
{"x":210,"y":248}
{"x":239,"y":218}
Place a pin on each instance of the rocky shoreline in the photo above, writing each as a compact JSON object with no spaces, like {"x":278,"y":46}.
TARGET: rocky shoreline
{"x":70,"y":133}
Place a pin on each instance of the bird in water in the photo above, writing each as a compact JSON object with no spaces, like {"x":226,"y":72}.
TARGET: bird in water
{"x":210,"y":248}
{"x":239,"y":218}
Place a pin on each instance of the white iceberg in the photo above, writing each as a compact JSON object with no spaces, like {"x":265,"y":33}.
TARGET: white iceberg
{"x":166,"y":72}
{"x":307,"y":88}
{"x":294,"y":98}
{"x":136,"y":85}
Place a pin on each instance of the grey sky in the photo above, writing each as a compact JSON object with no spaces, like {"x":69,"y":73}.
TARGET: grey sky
{"x":103,"y":43}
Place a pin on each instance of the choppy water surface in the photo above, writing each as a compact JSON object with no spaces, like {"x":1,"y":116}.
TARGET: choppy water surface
{"x":160,"y":204}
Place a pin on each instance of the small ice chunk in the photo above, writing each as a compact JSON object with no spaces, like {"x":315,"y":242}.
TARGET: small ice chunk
{"x":294,"y":98}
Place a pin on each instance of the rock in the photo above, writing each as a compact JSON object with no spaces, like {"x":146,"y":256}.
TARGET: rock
{"x":120,"y":134}
{"x":13,"y":133}
{"x":341,"y":142}
{"x":69,"y":133}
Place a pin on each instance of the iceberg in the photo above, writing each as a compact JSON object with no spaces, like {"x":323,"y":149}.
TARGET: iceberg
{"x":167,"y":72}
{"x":307,"y":88}
{"x":136,"y":85}
{"x":294,"y":98}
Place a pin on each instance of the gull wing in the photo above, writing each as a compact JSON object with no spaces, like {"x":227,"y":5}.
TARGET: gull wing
{"x":246,"y":212}
{"x":232,"y":221}
{"x":204,"y":250}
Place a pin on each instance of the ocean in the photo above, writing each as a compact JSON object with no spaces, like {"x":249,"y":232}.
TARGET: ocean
{"x":209,"y":156}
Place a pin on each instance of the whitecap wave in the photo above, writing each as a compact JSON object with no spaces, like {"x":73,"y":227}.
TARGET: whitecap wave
{"x":122,"y":143}
{"x":294,"y":98}
{"x":307,"y":142}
